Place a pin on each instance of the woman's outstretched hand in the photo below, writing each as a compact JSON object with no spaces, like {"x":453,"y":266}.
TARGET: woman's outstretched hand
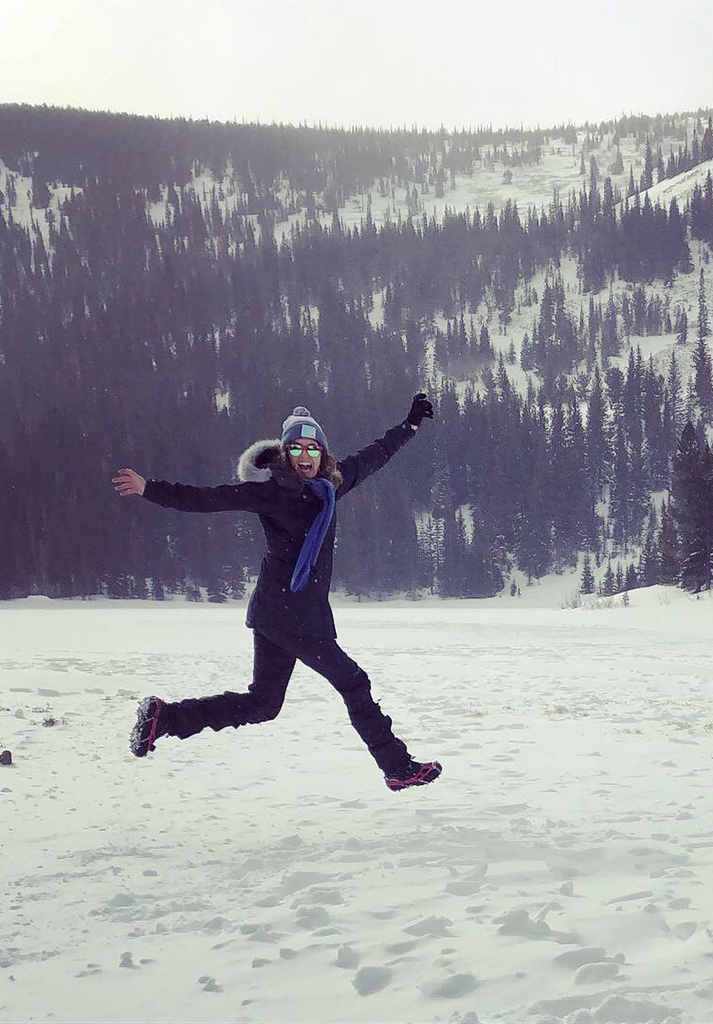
{"x":420,"y":408}
{"x":128,"y":482}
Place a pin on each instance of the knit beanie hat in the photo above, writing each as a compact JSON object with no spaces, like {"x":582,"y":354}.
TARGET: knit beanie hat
{"x":301,"y":424}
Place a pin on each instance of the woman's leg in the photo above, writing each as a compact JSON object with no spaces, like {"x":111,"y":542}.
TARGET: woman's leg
{"x":272,"y":668}
{"x":353,"y":684}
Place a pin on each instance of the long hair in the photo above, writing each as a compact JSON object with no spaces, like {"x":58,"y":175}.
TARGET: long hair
{"x":327,"y":467}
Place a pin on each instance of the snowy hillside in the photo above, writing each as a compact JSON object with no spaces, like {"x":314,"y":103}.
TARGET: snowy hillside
{"x":162,"y":274}
{"x":681,"y":187}
{"x":558,"y":172}
{"x":560,"y":871}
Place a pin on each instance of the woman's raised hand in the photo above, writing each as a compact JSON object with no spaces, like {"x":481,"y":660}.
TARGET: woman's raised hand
{"x":420,"y":408}
{"x":128,"y":482}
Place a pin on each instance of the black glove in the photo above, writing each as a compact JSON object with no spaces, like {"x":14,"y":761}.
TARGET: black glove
{"x":420,"y":408}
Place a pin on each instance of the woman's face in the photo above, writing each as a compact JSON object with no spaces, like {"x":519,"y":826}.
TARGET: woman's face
{"x":305,"y":457}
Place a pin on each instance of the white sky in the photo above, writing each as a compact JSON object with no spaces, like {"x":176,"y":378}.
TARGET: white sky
{"x":373,"y":62}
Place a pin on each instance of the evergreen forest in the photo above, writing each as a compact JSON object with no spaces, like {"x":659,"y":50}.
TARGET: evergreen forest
{"x":170,"y":290}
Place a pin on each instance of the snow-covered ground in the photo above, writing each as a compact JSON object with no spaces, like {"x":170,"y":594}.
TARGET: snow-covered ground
{"x":561,"y":870}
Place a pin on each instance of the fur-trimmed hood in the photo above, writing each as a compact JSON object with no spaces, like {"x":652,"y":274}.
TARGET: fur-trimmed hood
{"x":261,"y":462}
{"x":257,"y":462}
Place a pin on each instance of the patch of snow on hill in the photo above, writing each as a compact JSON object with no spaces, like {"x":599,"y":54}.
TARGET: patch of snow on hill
{"x":679,"y":188}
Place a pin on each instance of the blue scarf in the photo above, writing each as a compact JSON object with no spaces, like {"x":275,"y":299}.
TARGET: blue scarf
{"x":312,"y":545}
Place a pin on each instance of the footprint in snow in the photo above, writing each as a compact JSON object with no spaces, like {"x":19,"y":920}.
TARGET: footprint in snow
{"x":453,"y":987}
{"x":313,"y":917}
{"x":431,"y":926}
{"x":209,"y":984}
{"x":593,"y":974}
{"x":347,"y":958}
{"x":260,"y":933}
{"x":300,"y":880}
{"x":575,"y":958}
{"x":463,"y":888}
{"x":399,"y":948}
{"x":319,"y":897}
{"x":88,"y":971}
{"x":518,"y":922}
{"x":685,"y":929}
{"x":371,"y":979}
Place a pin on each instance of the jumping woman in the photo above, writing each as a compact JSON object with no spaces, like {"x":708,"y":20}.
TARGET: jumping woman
{"x":293,"y":485}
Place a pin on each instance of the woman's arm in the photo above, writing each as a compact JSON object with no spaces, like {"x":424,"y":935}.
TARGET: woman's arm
{"x":248,"y":497}
{"x":356,"y":468}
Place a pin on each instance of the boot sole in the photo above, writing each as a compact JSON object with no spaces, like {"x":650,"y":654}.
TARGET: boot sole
{"x":143,"y":735}
{"x":398,"y":785}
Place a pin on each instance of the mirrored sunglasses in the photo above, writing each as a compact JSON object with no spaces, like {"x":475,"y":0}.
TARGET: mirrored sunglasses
{"x":312,"y":450}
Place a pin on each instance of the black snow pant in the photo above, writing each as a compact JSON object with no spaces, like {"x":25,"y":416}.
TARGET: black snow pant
{"x":275,"y":658}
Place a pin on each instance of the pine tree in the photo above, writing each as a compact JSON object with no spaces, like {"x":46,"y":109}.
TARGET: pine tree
{"x":593,"y":173}
{"x":533,"y":546}
{"x":691,"y":509}
{"x":587,"y":584}
{"x":669,"y":550}
{"x":631,"y":190}
{"x":217,"y":588}
{"x":682,"y":330}
{"x":453,"y":578}
{"x":675,"y":394}
{"x":485,"y":348}
{"x":708,"y":208}
{"x":689,"y":407}
{"x":235,"y":580}
{"x":608,"y":587}
{"x":156,"y":589}
{"x":620,"y":494}
{"x":696,"y":214}
{"x":41,"y":196}
{"x":707,"y":144}
{"x":647,"y":178}
{"x":660,"y":166}
{"x":610,"y":335}
{"x":597,"y":442}
{"x":702,"y":359}
{"x":707,"y":503}
{"x":650,"y":570}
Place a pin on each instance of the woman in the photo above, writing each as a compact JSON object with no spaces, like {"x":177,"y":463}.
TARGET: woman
{"x":293,"y":485}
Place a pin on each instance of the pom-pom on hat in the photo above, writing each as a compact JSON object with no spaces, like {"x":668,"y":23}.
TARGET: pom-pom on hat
{"x":302,"y":425}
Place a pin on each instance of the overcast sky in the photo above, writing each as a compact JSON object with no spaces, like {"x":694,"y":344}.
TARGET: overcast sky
{"x":343,"y":62}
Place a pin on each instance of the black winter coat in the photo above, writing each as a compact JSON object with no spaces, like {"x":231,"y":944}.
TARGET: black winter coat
{"x":286,"y":507}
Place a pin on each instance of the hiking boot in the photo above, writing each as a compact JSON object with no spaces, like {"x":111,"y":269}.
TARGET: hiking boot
{"x":414,"y":774}
{"x":151,"y":722}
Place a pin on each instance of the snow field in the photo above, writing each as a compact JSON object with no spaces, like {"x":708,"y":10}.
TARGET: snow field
{"x":559,"y":871}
